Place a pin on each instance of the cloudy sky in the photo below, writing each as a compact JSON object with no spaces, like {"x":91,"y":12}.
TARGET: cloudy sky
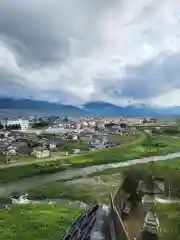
{"x":74,"y":51}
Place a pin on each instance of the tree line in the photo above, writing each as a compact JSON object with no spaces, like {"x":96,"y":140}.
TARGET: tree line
{"x":11,"y":126}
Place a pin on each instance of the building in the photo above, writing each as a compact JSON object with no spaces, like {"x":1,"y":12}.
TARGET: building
{"x":40,"y":152}
{"x":12,"y":122}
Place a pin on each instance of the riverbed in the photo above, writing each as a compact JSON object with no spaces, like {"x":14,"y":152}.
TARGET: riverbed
{"x":23,"y":185}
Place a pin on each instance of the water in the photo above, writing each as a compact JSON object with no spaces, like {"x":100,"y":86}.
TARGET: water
{"x":23,"y":200}
{"x":24,"y":184}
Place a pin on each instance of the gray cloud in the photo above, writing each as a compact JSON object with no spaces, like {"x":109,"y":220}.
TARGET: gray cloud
{"x":152,"y":78}
{"x":75,"y":51}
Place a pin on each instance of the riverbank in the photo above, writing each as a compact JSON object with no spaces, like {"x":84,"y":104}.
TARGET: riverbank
{"x":42,"y":167}
{"x":137,"y":149}
{"x":95,"y":188}
{"x":22,"y":184}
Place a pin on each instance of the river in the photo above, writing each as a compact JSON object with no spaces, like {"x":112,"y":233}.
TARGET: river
{"x":23,"y":185}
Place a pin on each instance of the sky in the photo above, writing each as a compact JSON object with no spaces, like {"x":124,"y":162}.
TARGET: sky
{"x":76,"y":51}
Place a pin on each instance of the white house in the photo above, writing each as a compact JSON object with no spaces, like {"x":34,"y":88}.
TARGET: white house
{"x":22,"y":122}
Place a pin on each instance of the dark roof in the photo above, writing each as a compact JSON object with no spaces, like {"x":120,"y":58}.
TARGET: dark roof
{"x":24,"y":150}
{"x":152,"y":187}
{"x":17,"y":133}
{"x":51,"y":142}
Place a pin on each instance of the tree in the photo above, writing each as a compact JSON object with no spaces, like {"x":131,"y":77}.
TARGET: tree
{"x":40,"y":124}
{"x":171,"y":130}
{"x":54,"y":136}
{"x":66,"y":119}
{"x":130,"y":184}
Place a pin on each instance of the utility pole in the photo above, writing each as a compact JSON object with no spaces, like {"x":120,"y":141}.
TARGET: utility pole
{"x":170,"y":189}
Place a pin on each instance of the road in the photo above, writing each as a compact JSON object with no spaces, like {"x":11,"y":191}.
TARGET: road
{"x":113,"y":165}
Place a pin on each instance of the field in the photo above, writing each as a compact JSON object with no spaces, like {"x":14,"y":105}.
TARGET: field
{"x":169,"y":216}
{"x":41,"y":222}
{"x":92,"y":189}
{"x":96,"y":187}
{"x":135,"y":146}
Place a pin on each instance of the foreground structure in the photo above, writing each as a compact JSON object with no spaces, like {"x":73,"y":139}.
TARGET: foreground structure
{"x":101,"y":222}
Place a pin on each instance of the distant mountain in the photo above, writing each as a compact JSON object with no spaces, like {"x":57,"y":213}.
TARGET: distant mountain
{"x":28,"y":104}
{"x":91,"y":108}
{"x":108,"y":109}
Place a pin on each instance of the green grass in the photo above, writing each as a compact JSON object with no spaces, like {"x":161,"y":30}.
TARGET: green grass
{"x":61,"y":190}
{"x":19,"y":172}
{"x":38,"y":220}
{"x":33,"y":222}
{"x":96,"y":187}
{"x":123,"y":138}
{"x":169,"y":216}
{"x":91,"y":190}
{"x":164,"y":168}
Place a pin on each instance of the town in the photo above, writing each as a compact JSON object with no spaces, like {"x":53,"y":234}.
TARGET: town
{"x":42,"y":137}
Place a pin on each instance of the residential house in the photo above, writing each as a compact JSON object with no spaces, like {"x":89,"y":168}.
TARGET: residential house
{"x":52,"y":145}
{"x":41,"y":152}
{"x":24,"y":151}
{"x":21,"y":148}
{"x":22,"y":122}
{"x":3,"y":147}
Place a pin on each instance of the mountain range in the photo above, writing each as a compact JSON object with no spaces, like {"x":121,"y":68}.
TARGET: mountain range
{"x":92,"y":108}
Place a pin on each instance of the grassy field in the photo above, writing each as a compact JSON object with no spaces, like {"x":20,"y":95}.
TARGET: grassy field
{"x":169,"y":216}
{"x":93,"y":189}
{"x":96,"y":187}
{"x":90,"y":190}
{"x":123,"y":138}
{"x":30,"y":222}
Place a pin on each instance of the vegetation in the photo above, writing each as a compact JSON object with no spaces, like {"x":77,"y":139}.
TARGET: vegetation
{"x":123,"y":138}
{"x":98,"y":157}
{"x":70,"y":145}
{"x":33,"y":222}
{"x":94,"y":190}
{"x":169,"y":216}
{"x":96,"y":187}
{"x":25,"y":171}
{"x":143,"y":146}
{"x":40,"y":124}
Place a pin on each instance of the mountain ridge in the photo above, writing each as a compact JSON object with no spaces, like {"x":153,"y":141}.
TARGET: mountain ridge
{"x":98,"y":108}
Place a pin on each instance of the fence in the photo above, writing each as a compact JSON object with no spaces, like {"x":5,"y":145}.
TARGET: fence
{"x":118,"y":230}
